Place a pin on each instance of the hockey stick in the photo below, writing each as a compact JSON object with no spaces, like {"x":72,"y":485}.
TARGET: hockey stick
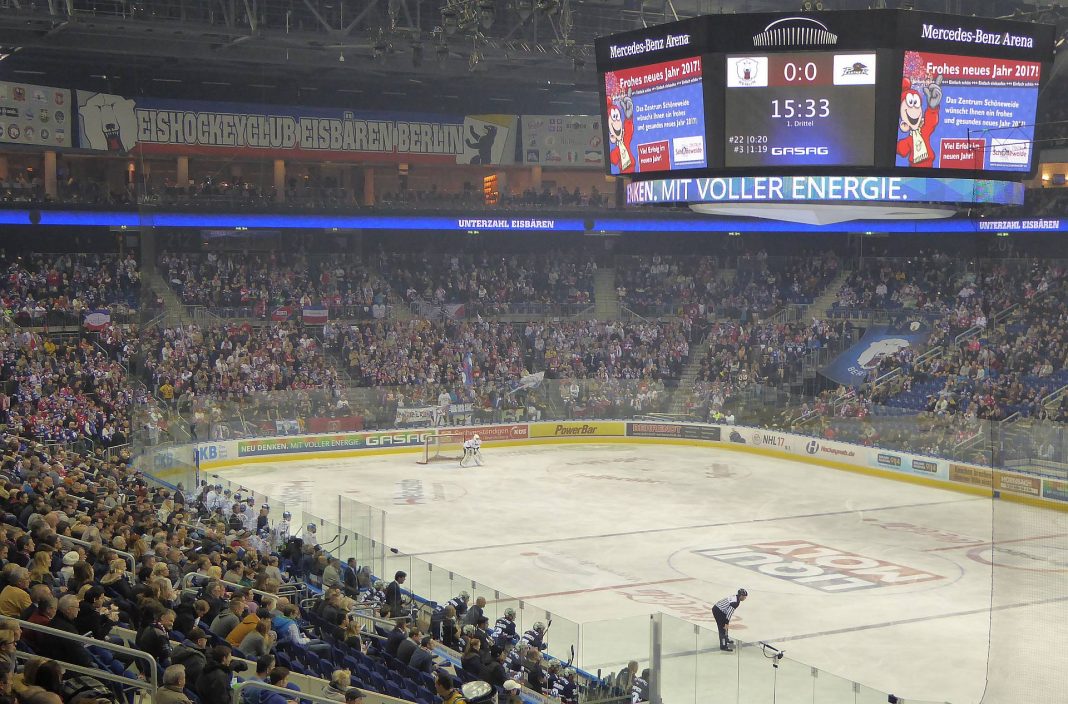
{"x":332,"y":550}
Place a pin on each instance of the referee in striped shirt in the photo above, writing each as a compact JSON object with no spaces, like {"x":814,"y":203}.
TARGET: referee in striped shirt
{"x":723,"y":611}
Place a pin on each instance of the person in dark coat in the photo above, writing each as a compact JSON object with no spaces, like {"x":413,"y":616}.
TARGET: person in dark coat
{"x":154,"y":638}
{"x":396,"y":636}
{"x":213,"y":687}
{"x":408,"y":646}
{"x":423,"y":658}
{"x":62,"y":648}
{"x":94,"y":616}
{"x":494,"y":672}
{"x":194,"y":657}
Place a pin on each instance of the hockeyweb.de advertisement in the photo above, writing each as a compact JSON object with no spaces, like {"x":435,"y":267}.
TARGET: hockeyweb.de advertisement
{"x":655,"y":117}
{"x":966,"y":112}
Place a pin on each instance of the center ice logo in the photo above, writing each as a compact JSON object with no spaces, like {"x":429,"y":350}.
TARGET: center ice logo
{"x":818,"y":567}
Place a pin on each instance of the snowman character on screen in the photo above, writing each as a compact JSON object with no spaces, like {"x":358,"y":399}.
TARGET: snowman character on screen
{"x":918,"y":123}
{"x":621,"y":133}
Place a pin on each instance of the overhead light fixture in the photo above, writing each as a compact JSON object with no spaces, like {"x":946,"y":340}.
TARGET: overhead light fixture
{"x":549,"y":7}
{"x":487,"y":12}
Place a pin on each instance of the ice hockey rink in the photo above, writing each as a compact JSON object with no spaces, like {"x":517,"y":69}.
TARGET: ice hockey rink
{"x":884,"y":583}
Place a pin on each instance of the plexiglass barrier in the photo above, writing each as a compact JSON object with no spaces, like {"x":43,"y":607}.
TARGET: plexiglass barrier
{"x":1025,"y":552}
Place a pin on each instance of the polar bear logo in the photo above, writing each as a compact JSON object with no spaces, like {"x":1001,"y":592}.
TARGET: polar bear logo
{"x":878,"y":350}
{"x":108,"y":123}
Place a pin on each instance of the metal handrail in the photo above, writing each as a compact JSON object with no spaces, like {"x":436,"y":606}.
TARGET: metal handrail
{"x":95,"y":673}
{"x":289,"y":693}
{"x":106,"y":645}
{"x":128,"y":556}
{"x":187,"y":585}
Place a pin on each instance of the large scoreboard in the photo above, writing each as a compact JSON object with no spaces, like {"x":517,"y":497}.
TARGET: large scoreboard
{"x":872,"y":92}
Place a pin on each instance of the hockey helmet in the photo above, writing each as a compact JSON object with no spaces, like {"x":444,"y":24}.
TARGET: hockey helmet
{"x":743,"y":592}
{"x":476,"y":437}
{"x":379,"y":584}
{"x":468,"y":630}
{"x":539,"y":627}
{"x":286,"y":515}
{"x":311,"y":527}
{"x":509,"y":614}
{"x":464,"y":596}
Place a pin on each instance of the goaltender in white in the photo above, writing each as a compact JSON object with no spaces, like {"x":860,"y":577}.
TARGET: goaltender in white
{"x":472,"y":450}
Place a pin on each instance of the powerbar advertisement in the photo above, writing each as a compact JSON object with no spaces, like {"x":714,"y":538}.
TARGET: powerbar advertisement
{"x":655,"y":117}
{"x":965,"y":112}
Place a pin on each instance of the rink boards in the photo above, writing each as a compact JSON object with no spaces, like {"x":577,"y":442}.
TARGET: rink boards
{"x":890,"y":464}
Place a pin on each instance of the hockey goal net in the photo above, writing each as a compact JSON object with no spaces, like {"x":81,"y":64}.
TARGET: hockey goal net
{"x":443,"y":445}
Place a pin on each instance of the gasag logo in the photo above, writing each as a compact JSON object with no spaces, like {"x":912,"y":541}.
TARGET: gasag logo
{"x":818,"y":567}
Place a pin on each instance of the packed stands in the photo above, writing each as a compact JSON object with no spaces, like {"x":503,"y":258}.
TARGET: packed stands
{"x":54,"y":289}
{"x":491,"y":284}
{"x":257,"y":283}
{"x":755,"y":286}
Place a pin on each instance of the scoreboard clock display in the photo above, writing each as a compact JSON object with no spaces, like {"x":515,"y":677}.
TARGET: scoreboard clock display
{"x":800,"y":109}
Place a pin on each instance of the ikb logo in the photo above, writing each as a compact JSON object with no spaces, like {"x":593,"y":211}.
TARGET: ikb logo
{"x":747,"y":71}
{"x":819,"y":567}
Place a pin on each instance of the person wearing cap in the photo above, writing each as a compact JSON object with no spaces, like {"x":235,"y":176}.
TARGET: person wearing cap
{"x":354,"y":696}
{"x":722,"y":611}
{"x":422,"y":659}
{"x":70,"y":559}
{"x":512,"y":692}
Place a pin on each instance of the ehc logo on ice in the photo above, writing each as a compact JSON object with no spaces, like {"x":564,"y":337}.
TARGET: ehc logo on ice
{"x":817,"y":566}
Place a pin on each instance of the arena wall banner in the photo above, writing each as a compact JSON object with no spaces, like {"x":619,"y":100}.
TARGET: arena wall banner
{"x":579,"y":429}
{"x":35,"y":115}
{"x":488,"y":139}
{"x":855,"y":365}
{"x":562,"y":140}
{"x":114,"y":123}
{"x":673,"y":430}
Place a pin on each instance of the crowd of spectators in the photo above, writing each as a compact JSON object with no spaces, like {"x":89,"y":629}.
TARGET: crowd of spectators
{"x":487,"y":283}
{"x":39,"y":288}
{"x":205,"y":578}
{"x":758,"y":284}
{"x":69,"y":390}
{"x":232,"y":362}
{"x":420,"y":352}
{"x":264,"y":281}
{"x":960,"y":294}
{"x":612,"y":350}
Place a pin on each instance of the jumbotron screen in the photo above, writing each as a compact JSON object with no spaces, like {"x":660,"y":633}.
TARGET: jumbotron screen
{"x":800,"y":109}
{"x":872,"y":91}
{"x":656,"y":117}
{"x":967,"y":112}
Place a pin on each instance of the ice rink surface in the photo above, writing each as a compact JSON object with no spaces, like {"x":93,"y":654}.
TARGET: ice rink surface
{"x":884,"y":583}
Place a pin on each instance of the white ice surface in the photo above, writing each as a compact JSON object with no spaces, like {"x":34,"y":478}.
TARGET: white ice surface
{"x":593,"y":533}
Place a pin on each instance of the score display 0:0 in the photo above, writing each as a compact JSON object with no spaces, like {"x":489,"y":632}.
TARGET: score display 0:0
{"x":794,"y":72}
